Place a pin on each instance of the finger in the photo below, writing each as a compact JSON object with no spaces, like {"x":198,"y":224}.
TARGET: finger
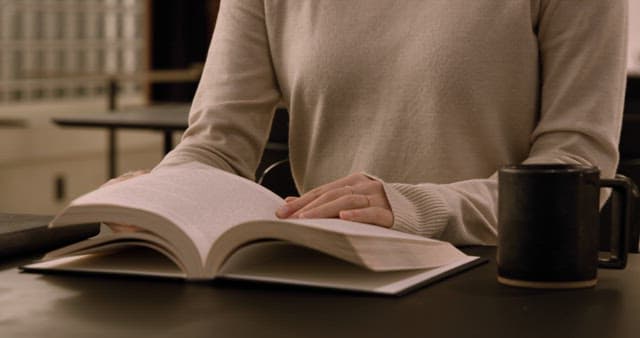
{"x":125,"y":177}
{"x":351,"y":180}
{"x":372,"y":215}
{"x":291,"y":207}
{"x":116,"y":227}
{"x":290,"y":199}
{"x":372,"y":189}
{"x":325,"y":198}
{"x":375,"y":191}
{"x":333,"y":208}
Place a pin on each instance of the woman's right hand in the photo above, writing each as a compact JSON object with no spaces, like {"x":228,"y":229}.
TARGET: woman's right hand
{"x":124,"y":177}
{"x":118,"y":227}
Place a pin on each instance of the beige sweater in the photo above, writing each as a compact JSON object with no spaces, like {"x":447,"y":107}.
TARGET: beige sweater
{"x":432,"y":97}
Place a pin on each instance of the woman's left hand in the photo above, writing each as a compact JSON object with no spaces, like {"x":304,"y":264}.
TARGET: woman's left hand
{"x":354,"y":198}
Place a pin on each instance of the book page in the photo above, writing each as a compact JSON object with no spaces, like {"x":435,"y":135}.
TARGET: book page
{"x":279,"y":262}
{"x":203,"y":201}
{"x":370,"y":246}
{"x":134,"y":261}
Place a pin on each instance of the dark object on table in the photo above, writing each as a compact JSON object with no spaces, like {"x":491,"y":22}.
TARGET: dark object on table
{"x":22,"y":234}
{"x":548,"y":219}
{"x":630,"y":169}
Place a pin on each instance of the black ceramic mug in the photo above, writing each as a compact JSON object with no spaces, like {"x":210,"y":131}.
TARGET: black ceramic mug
{"x":548,"y":225}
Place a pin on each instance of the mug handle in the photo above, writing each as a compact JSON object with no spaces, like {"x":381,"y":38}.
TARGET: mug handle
{"x":620,"y":229}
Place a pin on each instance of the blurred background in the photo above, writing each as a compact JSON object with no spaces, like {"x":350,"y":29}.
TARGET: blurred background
{"x":65,"y":57}
{"x":62,"y":57}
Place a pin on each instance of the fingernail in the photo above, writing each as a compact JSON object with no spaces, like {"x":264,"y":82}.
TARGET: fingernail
{"x":282,"y":211}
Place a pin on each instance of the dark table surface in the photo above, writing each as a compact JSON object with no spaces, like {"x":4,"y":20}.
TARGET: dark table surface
{"x":471,"y":304}
{"x":25,"y":233}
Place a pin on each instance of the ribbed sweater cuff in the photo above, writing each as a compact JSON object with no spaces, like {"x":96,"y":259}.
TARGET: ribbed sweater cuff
{"x":417,"y":210}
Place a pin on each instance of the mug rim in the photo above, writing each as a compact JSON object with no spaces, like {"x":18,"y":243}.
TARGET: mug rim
{"x":549,"y":168}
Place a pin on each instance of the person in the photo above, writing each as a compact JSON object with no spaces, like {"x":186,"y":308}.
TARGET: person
{"x":401,"y":112}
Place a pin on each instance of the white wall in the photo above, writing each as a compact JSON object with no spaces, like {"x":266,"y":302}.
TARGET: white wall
{"x":634,"y":37}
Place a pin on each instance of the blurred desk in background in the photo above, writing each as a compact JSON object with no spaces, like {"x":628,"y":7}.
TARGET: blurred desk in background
{"x":13,"y":122}
{"x":166,"y":119}
{"x":169,"y":119}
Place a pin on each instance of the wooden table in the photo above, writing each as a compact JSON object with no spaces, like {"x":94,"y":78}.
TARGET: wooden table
{"x":471,"y":304}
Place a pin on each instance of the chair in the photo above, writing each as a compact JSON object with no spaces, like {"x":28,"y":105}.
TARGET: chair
{"x":277,"y":178}
{"x":274,"y":171}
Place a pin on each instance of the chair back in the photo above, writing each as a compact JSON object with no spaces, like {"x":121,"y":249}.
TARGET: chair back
{"x":277,"y":178}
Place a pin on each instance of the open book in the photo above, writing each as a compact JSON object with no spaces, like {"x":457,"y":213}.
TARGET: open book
{"x":201,"y":223}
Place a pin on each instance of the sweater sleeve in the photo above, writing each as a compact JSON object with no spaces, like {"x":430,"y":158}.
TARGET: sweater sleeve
{"x":582,"y":50}
{"x":231,"y":113}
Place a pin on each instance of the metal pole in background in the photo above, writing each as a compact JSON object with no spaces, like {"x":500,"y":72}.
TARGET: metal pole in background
{"x":112,"y":95}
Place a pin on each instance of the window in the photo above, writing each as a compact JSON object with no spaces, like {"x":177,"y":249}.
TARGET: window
{"x":52,"y":50}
